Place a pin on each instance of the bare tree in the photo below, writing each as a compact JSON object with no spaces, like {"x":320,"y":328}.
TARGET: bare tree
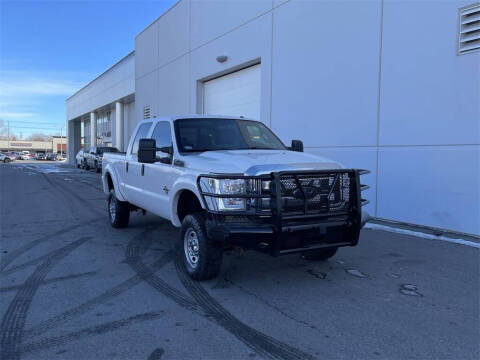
{"x":38,"y":136}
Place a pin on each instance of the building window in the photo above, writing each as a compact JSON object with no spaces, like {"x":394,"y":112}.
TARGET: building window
{"x":469,"y":29}
{"x":104,"y":128}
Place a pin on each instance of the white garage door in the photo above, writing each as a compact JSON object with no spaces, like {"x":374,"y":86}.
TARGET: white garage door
{"x":236,"y":94}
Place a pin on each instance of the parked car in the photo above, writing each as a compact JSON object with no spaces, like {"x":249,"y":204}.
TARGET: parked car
{"x":5,"y":158}
{"x":79,"y":159}
{"x":51,"y":156}
{"x":230,"y":182}
{"x":23,"y":156}
{"x":14,"y":155}
{"x":92,"y":159}
{"x":40,"y":156}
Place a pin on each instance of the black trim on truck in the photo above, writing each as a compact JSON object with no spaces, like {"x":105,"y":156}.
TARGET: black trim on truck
{"x":290,"y":211}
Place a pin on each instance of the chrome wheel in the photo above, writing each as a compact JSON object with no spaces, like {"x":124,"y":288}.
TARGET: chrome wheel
{"x":191,"y":247}
{"x":112,"y":208}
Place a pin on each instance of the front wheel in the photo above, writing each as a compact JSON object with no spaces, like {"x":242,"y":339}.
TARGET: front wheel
{"x":118,"y":211}
{"x":320,"y":255}
{"x":201,"y":256}
{"x":85,"y":165}
{"x":97,"y":169}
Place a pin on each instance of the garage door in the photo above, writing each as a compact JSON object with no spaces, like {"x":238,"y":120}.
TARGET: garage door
{"x":236,"y":94}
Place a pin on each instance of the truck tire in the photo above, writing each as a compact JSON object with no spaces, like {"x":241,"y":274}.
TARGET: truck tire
{"x":201,"y":256}
{"x":85,"y":165}
{"x":96,"y":167}
{"x":118,"y":211}
{"x":320,"y":255}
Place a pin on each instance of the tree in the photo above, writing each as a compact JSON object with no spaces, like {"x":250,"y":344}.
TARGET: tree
{"x":38,"y":136}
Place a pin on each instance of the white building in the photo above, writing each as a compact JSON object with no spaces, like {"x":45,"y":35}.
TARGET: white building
{"x":390,"y":86}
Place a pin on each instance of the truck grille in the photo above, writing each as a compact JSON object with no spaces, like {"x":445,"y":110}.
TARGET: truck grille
{"x":315,"y":193}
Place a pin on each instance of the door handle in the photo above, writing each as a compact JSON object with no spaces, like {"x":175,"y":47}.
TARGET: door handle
{"x":126,"y":166}
{"x":143,"y":169}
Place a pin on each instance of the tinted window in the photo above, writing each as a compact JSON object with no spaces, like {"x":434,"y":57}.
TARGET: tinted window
{"x":141,"y":134}
{"x":102,"y":150}
{"x":162,"y":134}
{"x":224,"y":134}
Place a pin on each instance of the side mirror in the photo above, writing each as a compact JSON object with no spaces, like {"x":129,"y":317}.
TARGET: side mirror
{"x":146,"y":151}
{"x":166,"y":149}
{"x":297,"y":145}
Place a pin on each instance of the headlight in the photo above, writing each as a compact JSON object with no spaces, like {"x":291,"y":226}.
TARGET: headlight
{"x":224,"y":187}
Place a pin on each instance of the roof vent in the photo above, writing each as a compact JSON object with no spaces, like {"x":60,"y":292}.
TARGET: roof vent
{"x":146,"y":112}
{"x":469,"y":29}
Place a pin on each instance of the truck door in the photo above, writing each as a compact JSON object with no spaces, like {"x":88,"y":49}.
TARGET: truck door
{"x":133,"y":177}
{"x":158,"y":178}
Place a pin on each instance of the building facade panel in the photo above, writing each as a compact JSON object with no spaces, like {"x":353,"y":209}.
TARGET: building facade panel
{"x":168,"y":30}
{"x":210,"y":19}
{"x":429,"y":94}
{"x":431,"y":185}
{"x":146,"y":95}
{"x":325,"y":71}
{"x":173,"y":89}
{"x":146,"y":51}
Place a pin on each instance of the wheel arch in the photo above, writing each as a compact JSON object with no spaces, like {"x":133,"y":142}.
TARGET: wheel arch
{"x":185,"y":201}
{"x":109,"y":180}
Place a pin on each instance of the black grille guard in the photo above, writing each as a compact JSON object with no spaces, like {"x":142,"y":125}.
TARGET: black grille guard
{"x":277,"y":192}
{"x":279,"y":215}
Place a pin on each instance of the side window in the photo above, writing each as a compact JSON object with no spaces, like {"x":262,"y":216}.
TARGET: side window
{"x":141,"y":134}
{"x":162,"y":134}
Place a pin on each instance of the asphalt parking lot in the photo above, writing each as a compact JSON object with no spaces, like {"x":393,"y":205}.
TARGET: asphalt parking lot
{"x":74,"y":288}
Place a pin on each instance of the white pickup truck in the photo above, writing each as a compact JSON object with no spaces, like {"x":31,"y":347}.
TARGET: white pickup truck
{"x":230,"y":182}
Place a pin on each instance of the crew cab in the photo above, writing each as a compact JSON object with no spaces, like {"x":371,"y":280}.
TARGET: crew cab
{"x":92,"y":159}
{"x":230,"y":182}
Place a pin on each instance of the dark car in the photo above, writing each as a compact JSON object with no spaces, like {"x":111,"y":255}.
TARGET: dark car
{"x":51,"y":156}
{"x":92,"y":159}
{"x":40,"y":156}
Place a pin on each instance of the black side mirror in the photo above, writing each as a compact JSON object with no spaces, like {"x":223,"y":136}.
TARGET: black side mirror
{"x":297,"y":145}
{"x":146,"y":151}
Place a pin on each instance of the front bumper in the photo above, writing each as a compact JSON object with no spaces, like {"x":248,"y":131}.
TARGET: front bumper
{"x":282,"y":231}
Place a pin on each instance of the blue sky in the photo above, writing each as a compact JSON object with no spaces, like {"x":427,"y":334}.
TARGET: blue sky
{"x":49,"y":49}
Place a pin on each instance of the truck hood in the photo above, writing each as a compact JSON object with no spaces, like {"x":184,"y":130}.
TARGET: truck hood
{"x":256,"y":162}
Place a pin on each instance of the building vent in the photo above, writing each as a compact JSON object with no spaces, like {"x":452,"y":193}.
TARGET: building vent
{"x":146,"y":112}
{"x":469,"y":29}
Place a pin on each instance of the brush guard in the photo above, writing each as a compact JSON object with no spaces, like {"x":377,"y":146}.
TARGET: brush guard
{"x":323,"y":204}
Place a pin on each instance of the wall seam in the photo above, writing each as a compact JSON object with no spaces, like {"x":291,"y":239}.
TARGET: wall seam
{"x":271,"y":67}
{"x":378,"y":104}
{"x":211,"y":40}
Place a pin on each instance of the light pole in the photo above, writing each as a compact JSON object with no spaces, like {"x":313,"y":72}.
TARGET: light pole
{"x":61,"y":142}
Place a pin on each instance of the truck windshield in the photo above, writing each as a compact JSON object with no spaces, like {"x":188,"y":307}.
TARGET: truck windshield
{"x":195,"y":135}
{"x":102,"y":150}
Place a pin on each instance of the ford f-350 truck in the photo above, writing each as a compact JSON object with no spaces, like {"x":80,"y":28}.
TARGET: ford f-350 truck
{"x":230,"y":182}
